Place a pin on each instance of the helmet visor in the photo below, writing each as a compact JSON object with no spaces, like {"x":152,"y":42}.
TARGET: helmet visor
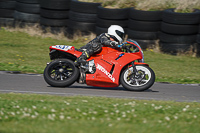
{"x":120,"y":34}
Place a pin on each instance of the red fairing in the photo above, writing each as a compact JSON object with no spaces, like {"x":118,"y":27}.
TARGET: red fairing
{"x":68,"y":49}
{"x":109,"y":66}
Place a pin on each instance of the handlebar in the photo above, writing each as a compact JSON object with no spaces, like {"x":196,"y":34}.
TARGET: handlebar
{"x":119,"y":46}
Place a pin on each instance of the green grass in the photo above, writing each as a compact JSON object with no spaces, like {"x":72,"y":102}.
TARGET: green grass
{"x":26,"y":113}
{"x":29,"y":54}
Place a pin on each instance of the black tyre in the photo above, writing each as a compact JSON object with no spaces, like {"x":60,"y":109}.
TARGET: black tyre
{"x":198,"y":49}
{"x":29,"y":1}
{"x":145,"y":44}
{"x":82,"y":17}
{"x":179,"y":29}
{"x":116,"y":14}
{"x":145,"y":15}
{"x":54,"y":14}
{"x":24,"y":24}
{"x":105,"y":23}
{"x":100,"y":30}
{"x":6,"y":21}
{"x":61,"y":73}
{"x":84,"y":7}
{"x":142,"y":80}
{"x":27,"y":17}
{"x":143,"y":35}
{"x":198,"y":38}
{"x":164,"y":37}
{"x":82,"y":26}
{"x":172,"y":17}
{"x":54,"y":22}
{"x":174,"y":48}
{"x":6,"y":13}
{"x":55,"y":4}
{"x":144,"y":25}
{"x":54,"y":29}
{"x":7,"y":4}
{"x":28,"y":8}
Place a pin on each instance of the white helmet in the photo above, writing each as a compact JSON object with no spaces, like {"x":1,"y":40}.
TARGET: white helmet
{"x":116,"y":32}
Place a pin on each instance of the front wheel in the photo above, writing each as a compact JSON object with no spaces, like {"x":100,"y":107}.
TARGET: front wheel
{"x":141,"y":80}
{"x":61,"y":73}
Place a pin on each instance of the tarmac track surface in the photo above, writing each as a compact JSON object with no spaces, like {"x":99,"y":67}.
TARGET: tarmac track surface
{"x":34,"y":83}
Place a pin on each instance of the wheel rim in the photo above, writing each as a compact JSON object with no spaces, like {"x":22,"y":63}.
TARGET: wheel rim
{"x":61,"y":71}
{"x":141,"y":78}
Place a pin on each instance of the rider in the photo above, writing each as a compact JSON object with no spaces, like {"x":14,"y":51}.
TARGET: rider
{"x":113,"y":38}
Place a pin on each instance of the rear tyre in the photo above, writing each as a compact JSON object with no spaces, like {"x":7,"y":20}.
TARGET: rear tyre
{"x":142,"y":80}
{"x":61,"y":73}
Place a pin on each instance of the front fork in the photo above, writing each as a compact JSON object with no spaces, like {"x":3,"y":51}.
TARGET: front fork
{"x":131,"y":74}
{"x":134,"y":67}
{"x":135,"y":75}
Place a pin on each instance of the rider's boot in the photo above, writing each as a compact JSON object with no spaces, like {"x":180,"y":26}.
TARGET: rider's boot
{"x":81,"y":59}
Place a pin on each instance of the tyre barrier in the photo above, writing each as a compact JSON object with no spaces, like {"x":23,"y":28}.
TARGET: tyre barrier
{"x":82,"y":17}
{"x":27,"y":12}
{"x":107,"y":17}
{"x":178,"y":31}
{"x":7,"y":9}
{"x":54,"y":15}
{"x":144,"y":26}
{"x":198,"y":44}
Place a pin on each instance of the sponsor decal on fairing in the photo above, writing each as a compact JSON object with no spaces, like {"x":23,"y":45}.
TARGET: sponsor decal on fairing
{"x":99,"y":67}
{"x":63,"y":47}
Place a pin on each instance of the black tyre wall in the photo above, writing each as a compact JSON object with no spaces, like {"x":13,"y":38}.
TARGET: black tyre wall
{"x":28,"y":8}
{"x":170,"y":38}
{"x":113,"y":14}
{"x":144,"y":26}
{"x":6,"y":13}
{"x":7,"y":9}
{"x":82,"y":26}
{"x":53,"y":22}
{"x":29,"y":1}
{"x":198,"y":44}
{"x":169,"y":16}
{"x":55,"y":4}
{"x":145,"y":15}
{"x":174,"y":48}
{"x":84,"y":7}
{"x":138,"y":25}
{"x":105,"y":23}
{"x":83,"y":16}
{"x":100,"y":30}
{"x":178,"y":31}
{"x":7,"y":4}
{"x":26,"y":17}
{"x":54,"y":15}
{"x":107,"y":17}
{"x":27,"y":12}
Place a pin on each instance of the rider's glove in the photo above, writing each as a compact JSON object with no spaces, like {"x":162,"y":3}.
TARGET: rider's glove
{"x":114,"y":43}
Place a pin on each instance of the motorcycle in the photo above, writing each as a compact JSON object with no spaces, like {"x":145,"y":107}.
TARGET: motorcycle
{"x":109,"y":68}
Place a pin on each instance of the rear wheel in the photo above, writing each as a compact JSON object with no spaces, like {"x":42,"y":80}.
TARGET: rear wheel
{"x":142,"y":80}
{"x":61,"y":73}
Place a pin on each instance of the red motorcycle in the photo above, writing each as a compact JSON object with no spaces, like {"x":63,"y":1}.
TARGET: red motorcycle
{"x":108,"y":68}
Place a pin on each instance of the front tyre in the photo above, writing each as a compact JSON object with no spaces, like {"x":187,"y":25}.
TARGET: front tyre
{"x":61,"y":73}
{"x":140,"y":80}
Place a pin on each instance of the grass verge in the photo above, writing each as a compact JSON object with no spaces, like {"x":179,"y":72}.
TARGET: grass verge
{"x":45,"y":114}
{"x":29,"y":54}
